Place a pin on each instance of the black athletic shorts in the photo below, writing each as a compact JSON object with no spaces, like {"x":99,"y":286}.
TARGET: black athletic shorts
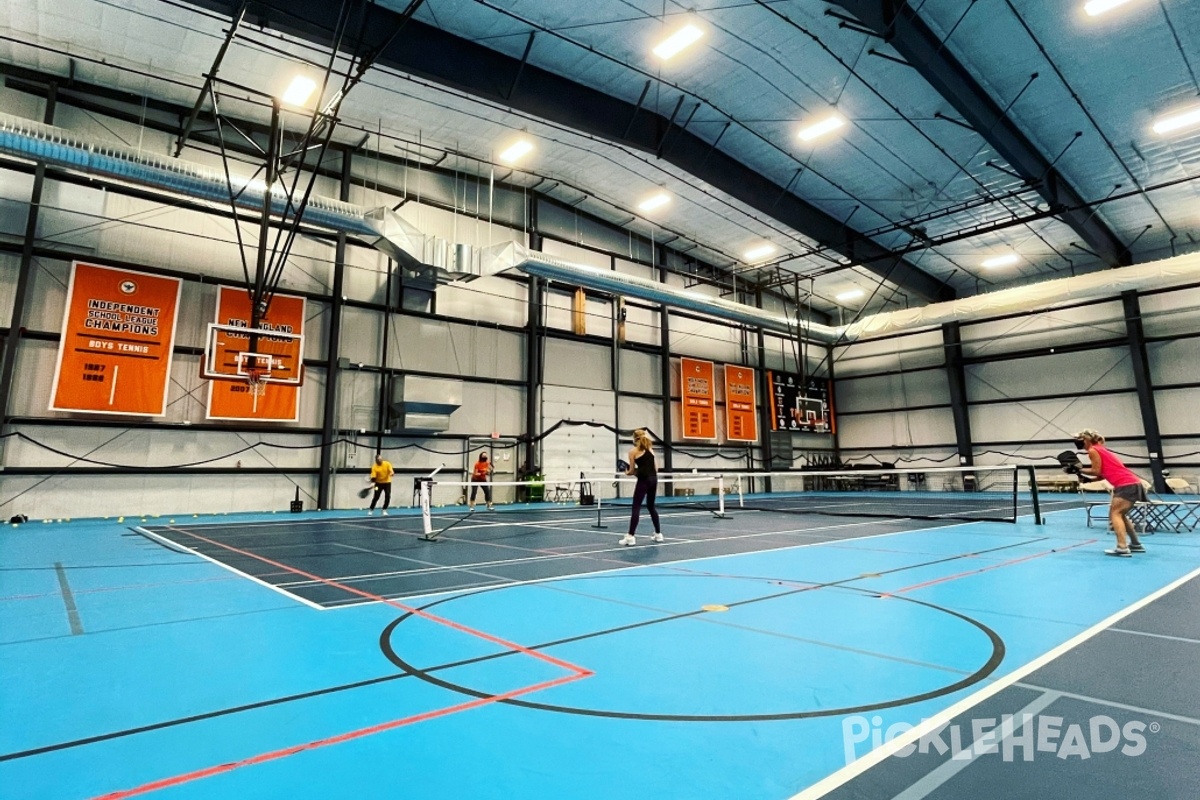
{"x":1133,"y":492}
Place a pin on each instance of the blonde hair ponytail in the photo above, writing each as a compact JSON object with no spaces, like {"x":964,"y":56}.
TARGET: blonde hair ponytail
{"x":641,"y":440}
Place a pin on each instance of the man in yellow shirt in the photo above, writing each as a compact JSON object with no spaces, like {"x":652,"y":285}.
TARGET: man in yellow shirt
{"x":381,"y":476}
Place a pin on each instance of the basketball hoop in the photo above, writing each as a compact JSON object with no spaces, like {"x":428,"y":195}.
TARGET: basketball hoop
{"x":256,"y":379}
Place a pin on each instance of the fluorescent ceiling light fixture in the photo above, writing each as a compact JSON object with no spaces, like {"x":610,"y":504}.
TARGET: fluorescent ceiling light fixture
{"x":516,"y":151}
{"x":826,"y":125}
{"x":689,"y":34}
{"x":654,"y":201}
{"x":298,"y":93}
{"x":853,"y":294}
{"x":1002,"y":261}
{"x":1184,"y":119}
{"x":1095,"y":8}
{"x":759,"y":253}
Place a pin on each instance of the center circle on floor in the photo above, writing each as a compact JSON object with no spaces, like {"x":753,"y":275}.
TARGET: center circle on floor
{"x":831,"y":650}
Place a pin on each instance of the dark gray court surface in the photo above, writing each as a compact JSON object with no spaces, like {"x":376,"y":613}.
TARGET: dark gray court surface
{"x":1142,"y":672}
{"x":386,"y":556}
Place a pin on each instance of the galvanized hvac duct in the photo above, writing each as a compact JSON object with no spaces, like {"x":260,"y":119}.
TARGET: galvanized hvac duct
{"x":383,"y":229}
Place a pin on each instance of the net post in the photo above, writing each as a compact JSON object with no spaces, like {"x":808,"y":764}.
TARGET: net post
{"x":1031,"y":473}
{"x":426,"y":516}
{"x":720,"y":512}
{"x":599,"y":523}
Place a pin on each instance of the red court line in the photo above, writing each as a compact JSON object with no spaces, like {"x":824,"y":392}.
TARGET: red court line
{"x":578,"y":673}
{"x":582,"y":672}
{"x":936,"y":581}
{"x":275,"y":755}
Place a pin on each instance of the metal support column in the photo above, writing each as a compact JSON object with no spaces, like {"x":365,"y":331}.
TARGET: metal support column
{"x":533,"y":344}
{"x":956,"y":377}
{"x":25,"y":273}
{"x":664,"y":336}
{"x":1145,"y":387}
{"x":332,"y":350}
{"x":766,"y":415}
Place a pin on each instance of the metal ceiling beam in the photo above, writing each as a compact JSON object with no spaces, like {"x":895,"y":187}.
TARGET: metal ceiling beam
{"x":440,"y":57}
{"x":903,"y":28}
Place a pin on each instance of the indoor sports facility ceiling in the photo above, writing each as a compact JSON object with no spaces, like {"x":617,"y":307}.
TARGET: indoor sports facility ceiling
{"x":972,"y":130}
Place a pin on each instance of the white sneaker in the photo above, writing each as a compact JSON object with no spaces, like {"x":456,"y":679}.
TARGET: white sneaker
{"x":470,"y":508}
{"x":628,"y":539}
{"x":385,"y":512}
{"x":491,"y":507}
{"x":658,"y":537}
{"x":370,"y":513}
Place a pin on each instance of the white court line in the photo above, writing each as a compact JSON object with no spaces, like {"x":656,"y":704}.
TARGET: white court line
{"x":934,"y":779}
{"x":669,"y":564}
{"x":1158,"y":636}
{"x":223,"y":565}
{"x":879,"y":754}
{"x":1113,"y":704}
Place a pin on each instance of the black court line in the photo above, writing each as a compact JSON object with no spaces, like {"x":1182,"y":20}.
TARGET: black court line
{"x":385,"y":646}
{"x":68,"y":600}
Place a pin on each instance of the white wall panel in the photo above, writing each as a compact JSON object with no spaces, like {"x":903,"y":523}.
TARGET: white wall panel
{"x":1050,"y":374}
{"x":640,"y":372}
{"x":489,"y":408}
{"x":574,"y":448}
{"x":1171,"y":313}
{"x":15,"y":191}
{"x":362,"y":335}
{"x":642,"y":325}
{"x":911,"y":428}
{"x":1176,"y":361}
{"x":430,"y":345}
{"x":1050,"y":328}
{"x":1177,"y":411}
{"x":922,"y":349}
{"x":488,"y":299}
{"x":10,"y":269}
{"x":365,"y":277}
{"x":576,"y":255}
{"x":569,"y":363}
{"x":638,"y":412}
{"x":1112,"y":415}
{"x":66,"y":496}
{"x":928,"y":387}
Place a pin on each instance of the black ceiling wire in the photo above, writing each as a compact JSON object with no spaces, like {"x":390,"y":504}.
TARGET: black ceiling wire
{"x":639,"y":71}
{"x":1078,"y":101}
{"x":1179,"y":45}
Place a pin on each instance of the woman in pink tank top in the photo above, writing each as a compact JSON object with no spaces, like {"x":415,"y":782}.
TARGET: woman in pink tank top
{"x":1127,"y":490}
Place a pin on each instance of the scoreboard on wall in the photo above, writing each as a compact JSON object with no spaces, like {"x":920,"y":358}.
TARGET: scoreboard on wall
{"x":800,"y":403}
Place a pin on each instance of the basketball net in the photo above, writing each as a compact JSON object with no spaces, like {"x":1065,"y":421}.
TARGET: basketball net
{"x":256,"y":380}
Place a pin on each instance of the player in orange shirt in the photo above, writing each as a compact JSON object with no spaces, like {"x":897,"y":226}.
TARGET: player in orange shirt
{"x":480,"y":474}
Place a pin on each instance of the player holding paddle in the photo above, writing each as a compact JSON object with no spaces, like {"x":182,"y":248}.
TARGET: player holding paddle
{"x":641,"y":463}
{"x":381,"y":477}
{"x":480,"y":475}
{"x":1127,"y":489}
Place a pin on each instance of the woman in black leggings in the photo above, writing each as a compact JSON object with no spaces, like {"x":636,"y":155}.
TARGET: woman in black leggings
{"x":641,"y":463}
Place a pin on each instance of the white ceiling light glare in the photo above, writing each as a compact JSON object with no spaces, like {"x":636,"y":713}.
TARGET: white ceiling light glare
{"x":299,"y":91}
{"x":822,"y":126}
{"x":679,"y":40}
{"x":654,"y":202}
{"x":1001,"y":261}
{"x":847,"y":296}
{"x":759,"y":252}
{"x":1178,"y":121}
{"x":1094,"y":8}
{"x":516,"y":151}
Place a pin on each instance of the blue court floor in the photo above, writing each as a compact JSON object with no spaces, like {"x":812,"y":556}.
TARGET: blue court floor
{"x":761,"y":656}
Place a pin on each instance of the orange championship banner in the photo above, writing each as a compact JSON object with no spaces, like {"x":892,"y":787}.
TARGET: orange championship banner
{"x":741,"y":423}
{"x":696,"y":388}
{"x":117,"y":336}
{"x":232,"y":399}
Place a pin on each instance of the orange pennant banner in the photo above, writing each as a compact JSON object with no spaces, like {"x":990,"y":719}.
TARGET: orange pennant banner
{"x":117,"y":336}
{"x":741,"y":421}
